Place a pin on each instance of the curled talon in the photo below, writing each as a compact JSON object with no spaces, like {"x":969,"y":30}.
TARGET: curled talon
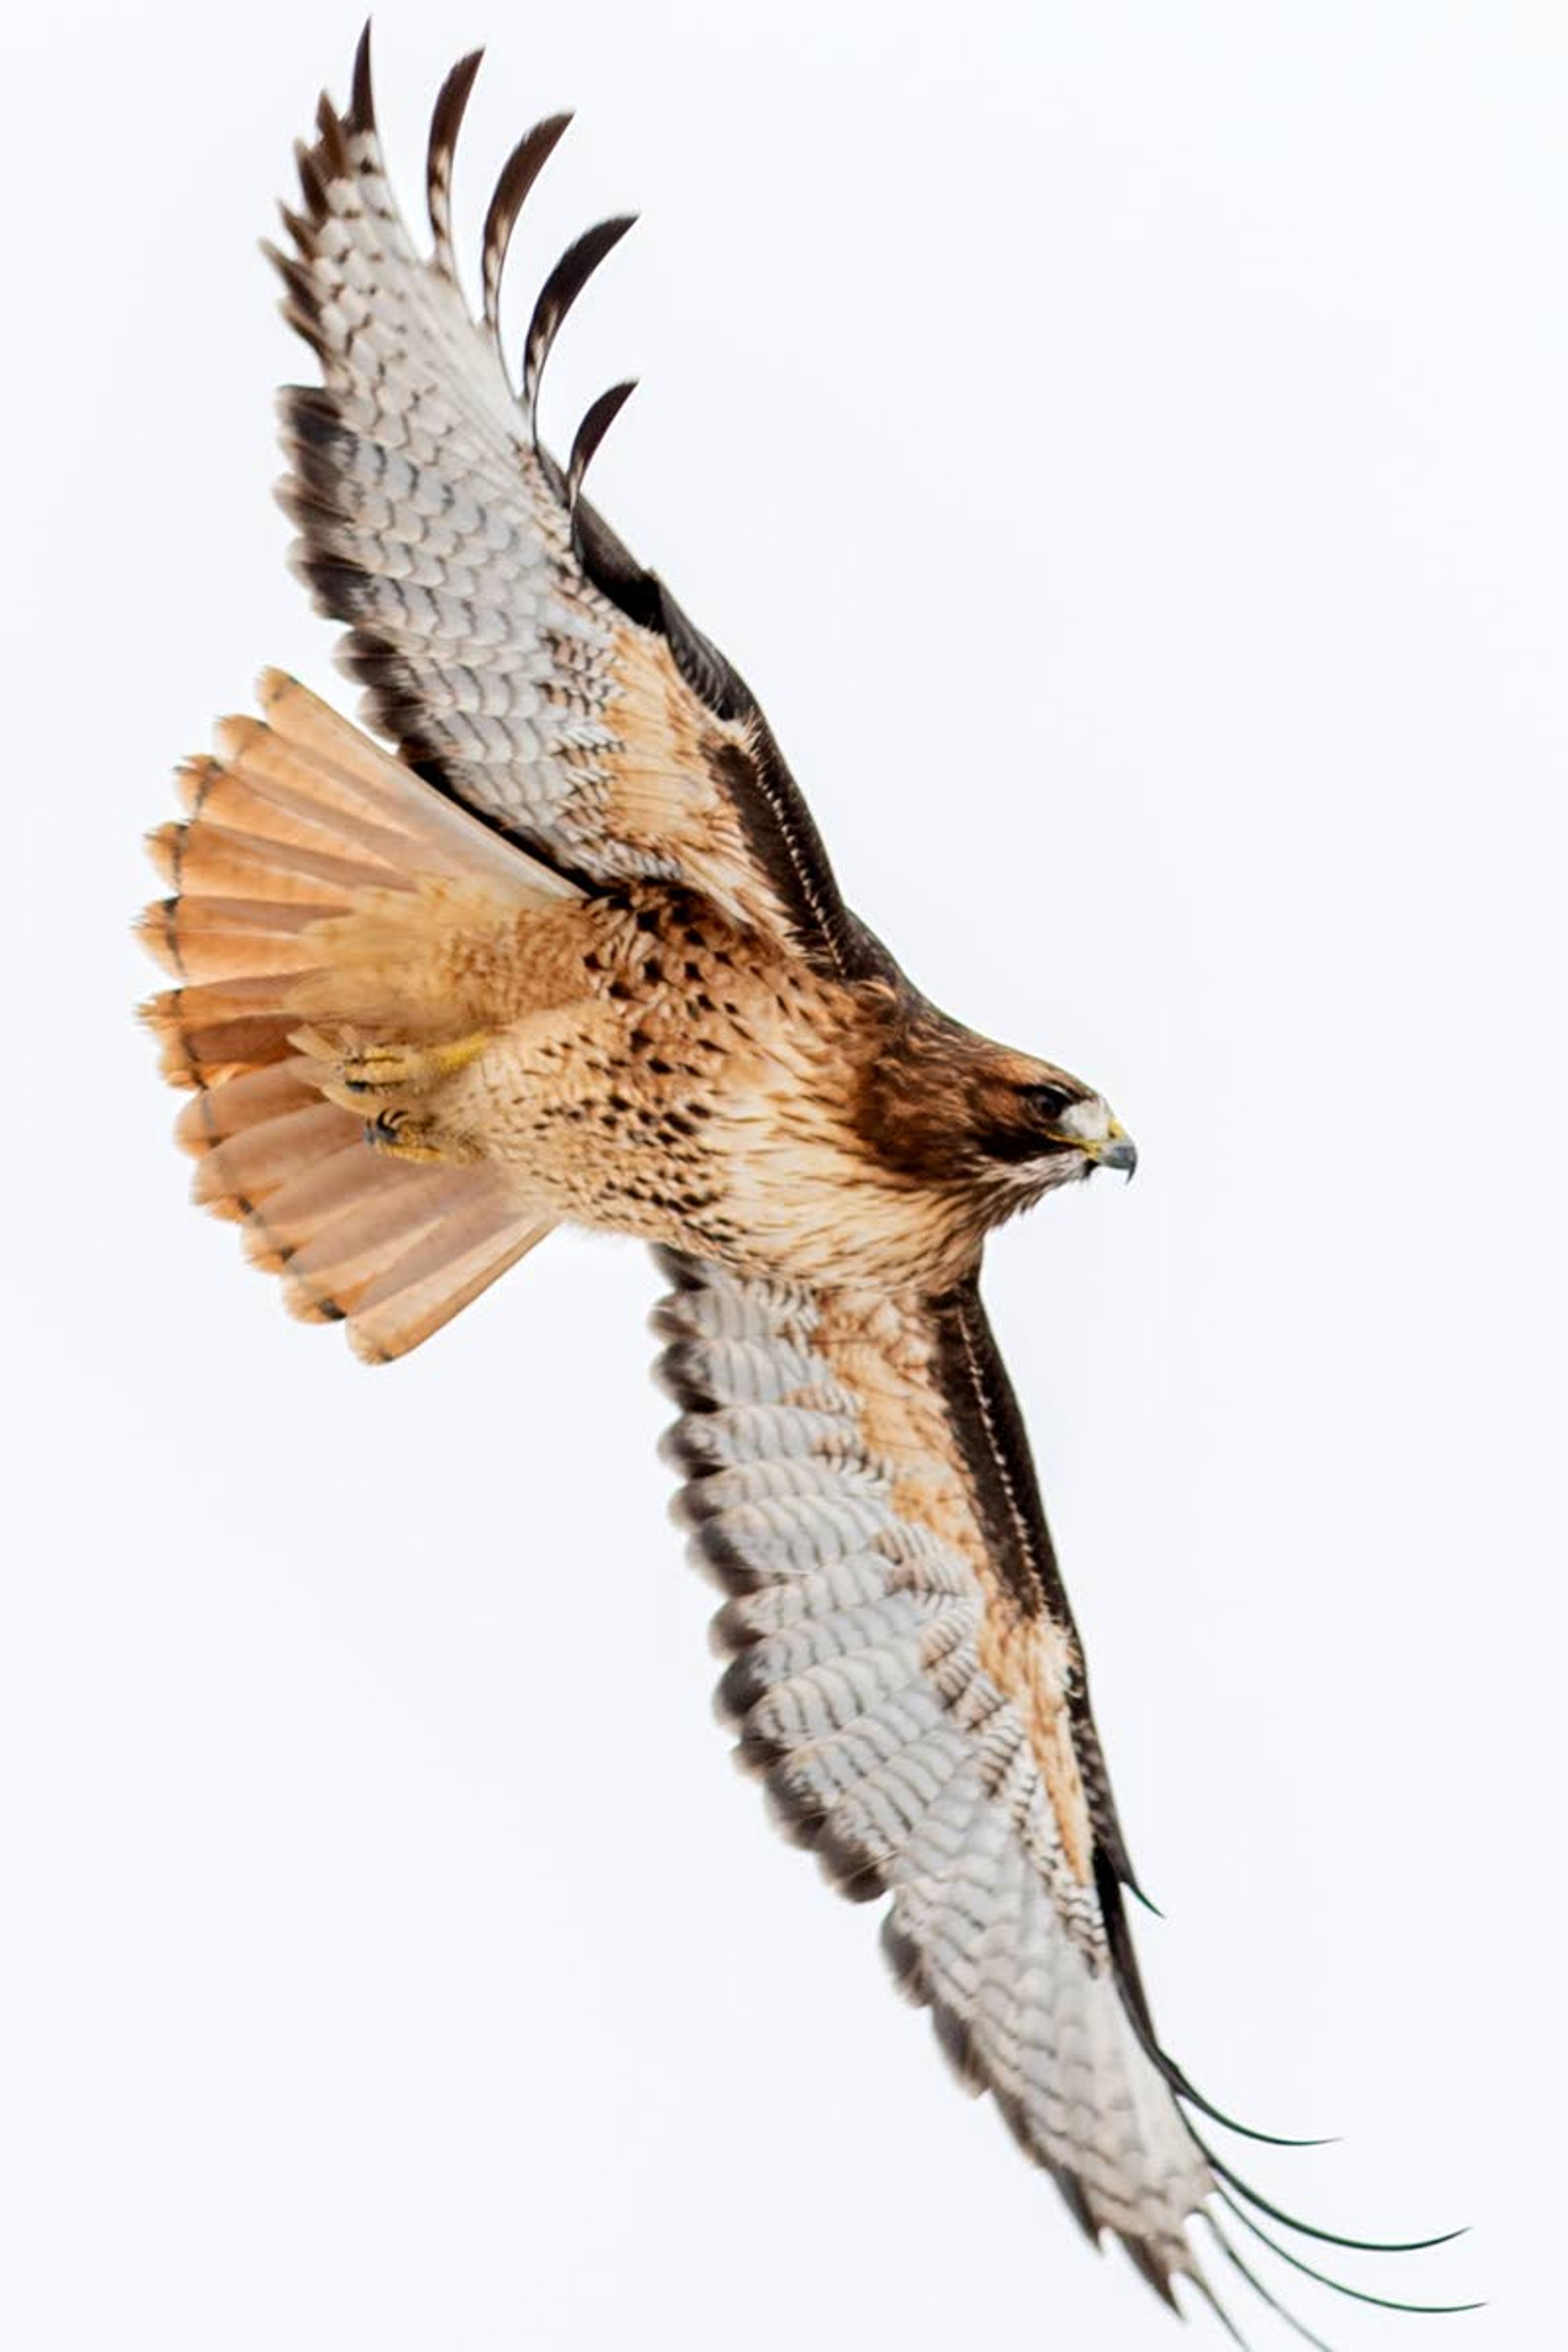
{"x":398,"y":1135}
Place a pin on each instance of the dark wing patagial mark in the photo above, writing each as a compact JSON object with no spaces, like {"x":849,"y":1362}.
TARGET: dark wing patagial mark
{"x":990,"y":1429}
{"x":779,"y":825}
{"x":996,"y":1449}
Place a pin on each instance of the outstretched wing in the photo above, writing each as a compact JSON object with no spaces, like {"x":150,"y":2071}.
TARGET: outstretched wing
{"x":519,"y":656}
{"x":907,"y":1677}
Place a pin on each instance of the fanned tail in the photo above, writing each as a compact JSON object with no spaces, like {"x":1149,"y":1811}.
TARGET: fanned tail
{"x":314,"y":879}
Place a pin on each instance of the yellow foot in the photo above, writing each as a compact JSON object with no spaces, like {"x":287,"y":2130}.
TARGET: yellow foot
{"x":391,"y":1068}
{"x":400,"y":1134}
{"x":379,"y":1078}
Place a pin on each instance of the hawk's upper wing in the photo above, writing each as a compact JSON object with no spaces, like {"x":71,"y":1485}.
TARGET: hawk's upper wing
{"x":907,"y":1676}
{"x":517,"y":653}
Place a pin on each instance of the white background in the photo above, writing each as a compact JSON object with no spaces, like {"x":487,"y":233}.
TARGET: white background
{"x":1125,"y":445}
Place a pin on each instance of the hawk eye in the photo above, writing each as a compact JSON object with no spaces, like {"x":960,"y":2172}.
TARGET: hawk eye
{"x":1048,"y":1103}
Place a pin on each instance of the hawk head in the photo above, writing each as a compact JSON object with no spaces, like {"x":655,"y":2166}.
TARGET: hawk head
{"x":992,"y":1128}
{"x":1030,"y":1126}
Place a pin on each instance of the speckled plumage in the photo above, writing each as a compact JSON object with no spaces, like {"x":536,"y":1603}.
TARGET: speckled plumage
{"x":575,"y":952}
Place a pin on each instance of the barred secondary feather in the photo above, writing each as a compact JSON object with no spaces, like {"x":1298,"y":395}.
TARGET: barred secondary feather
{"x":575,"y":952}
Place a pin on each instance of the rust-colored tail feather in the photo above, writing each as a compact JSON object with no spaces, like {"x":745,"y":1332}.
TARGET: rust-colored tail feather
{"x":299,"y":820}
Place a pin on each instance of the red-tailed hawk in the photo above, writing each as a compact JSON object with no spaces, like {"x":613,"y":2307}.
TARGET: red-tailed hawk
{"x":575,"y":952}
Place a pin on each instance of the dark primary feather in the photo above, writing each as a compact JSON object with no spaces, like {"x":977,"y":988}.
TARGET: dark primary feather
{"x":560,"y":290}
{"x":445,"y":124}
{"x":519,"y":173}
{"x":595,"y":424}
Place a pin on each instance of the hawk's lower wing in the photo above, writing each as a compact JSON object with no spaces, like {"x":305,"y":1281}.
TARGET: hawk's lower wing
{"x":906,"y":1674}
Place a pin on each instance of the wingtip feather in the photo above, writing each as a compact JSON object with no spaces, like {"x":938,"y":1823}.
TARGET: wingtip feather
{"x":360,"y":120}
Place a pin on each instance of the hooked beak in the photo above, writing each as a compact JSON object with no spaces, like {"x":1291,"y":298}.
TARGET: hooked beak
{"x":1104,"y":1142}
{"x":1117,"y":1150}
